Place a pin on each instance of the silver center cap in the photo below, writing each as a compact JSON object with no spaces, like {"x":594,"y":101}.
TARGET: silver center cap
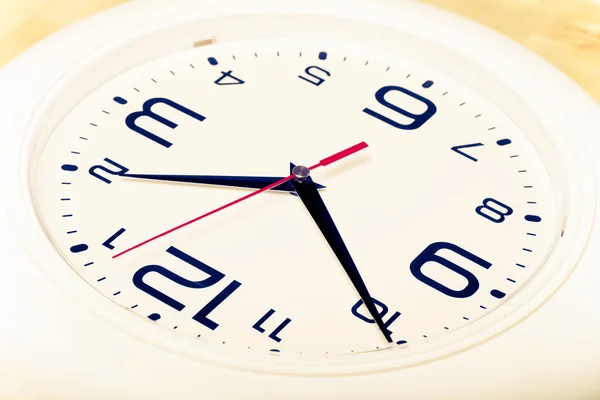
{"x":301,"y":173}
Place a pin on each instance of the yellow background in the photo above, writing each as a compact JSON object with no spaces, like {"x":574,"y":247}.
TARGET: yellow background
{"x":565,"y":32}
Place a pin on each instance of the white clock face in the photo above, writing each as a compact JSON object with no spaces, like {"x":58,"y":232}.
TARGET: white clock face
{"x":447,"y":214}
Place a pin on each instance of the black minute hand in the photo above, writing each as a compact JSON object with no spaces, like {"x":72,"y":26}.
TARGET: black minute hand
{"x":308,"y":193}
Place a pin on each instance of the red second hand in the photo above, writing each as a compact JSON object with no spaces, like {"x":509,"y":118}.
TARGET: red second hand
{"x":326,"y":161}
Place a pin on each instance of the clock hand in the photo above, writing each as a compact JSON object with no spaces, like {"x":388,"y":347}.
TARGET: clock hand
{"x":306,"y":189}
{"x":326,"y":161}
{"x":252,"y":182}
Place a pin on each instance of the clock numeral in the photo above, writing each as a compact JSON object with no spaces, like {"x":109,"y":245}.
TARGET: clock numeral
{"x":131,"y":120}
{"x":228,"y":79}
{"x":466,"y":146}
{"x":213,"y":277}
{"x":366,"y":317}
{"x":276,"y":331}
{"x":429,"y":255}
{"x":492,"y":213}
{"x":202,"y":315}
{"x":417,"y":119}
{"x":121,"y":170}
{"x":313,"y":77}
{"x":108,"y":242}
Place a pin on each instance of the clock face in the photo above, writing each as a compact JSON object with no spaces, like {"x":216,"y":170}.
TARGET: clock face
{"x":448,"y":214}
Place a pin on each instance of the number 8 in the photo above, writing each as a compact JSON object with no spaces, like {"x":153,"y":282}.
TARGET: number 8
{"x":494,"y":215}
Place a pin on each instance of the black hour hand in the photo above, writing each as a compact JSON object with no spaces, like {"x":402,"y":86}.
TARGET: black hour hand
{"x":250,"y":182}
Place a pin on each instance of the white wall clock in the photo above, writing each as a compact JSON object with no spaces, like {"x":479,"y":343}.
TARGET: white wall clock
{"x":452,"y":252}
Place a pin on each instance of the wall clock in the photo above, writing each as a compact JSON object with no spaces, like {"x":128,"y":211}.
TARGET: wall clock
{"x":295,"y":200}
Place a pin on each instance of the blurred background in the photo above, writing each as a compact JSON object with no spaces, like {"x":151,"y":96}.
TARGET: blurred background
{"x":564,"y":32}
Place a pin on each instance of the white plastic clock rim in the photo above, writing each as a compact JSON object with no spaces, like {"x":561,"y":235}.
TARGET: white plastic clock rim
{"x":15,"y":118}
